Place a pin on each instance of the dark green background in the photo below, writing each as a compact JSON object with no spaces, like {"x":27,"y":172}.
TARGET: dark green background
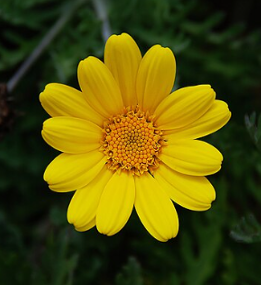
{"x":214,"y":42}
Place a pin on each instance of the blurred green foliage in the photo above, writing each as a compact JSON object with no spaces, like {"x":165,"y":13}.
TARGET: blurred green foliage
{"x":248,"y":230}
{"x":253,"y":125}
{"x":214,"y":43}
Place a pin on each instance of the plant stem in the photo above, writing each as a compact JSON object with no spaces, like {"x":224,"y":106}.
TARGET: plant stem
{"x":101,"y":11}
{"x":44,"y":43}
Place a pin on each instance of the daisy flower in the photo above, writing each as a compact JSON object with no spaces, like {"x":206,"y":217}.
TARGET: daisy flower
{"x":128,"y":142}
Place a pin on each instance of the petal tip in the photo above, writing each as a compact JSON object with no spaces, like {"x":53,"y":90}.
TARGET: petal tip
{"x":104,"y":231}
{"x":45,"y":175}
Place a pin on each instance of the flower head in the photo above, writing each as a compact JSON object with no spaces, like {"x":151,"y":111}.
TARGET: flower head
{"x":127,"y":141}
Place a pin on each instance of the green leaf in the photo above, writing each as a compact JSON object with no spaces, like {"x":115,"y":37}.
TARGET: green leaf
{"x":130,"y":273}
{"x":248,"y":230}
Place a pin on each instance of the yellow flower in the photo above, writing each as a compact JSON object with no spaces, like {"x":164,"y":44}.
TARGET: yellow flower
{"x":127,"y":142}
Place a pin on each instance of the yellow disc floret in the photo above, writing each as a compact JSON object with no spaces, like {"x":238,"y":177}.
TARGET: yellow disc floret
{"x":132,"y":142}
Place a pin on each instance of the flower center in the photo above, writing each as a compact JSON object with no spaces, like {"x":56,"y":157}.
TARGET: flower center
{"x":132,"y":142}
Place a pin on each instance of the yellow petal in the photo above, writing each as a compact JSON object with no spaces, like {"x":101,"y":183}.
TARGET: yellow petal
{"x":116,"y":204}
{"x":85,"y":201}
{"x":155,"y":209}
{"x":62,"y":100}
{"x":87,"y":226}
{"x":184,"y":106}
{"x":191,"y":192}
{"x":122,"y":56}
{"x":72,"y":135}
{"x":214,"y":119}
{"x":99,"y":87}
{"x":68,"y":172}
{"x":156,"y":77}
{"x":192,"y":157}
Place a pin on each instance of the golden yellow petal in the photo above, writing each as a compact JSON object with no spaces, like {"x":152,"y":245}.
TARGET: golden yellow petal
{"x":62,"y":100}
{"x":68,"y":172}
{"x":214,"y":119}
{"x":122,"y":56}
{"x":72,"y":135}
{"x":192,"y":157}
{"x":116,"y":204}
{"x":155,"y":209}
{"x":155,"y":77}
{"x":184,"y":106}
{"x":191,"y":192}
{"x":99,"y":87}
{"x":87,"y":226}
{"x":85,"y":201}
